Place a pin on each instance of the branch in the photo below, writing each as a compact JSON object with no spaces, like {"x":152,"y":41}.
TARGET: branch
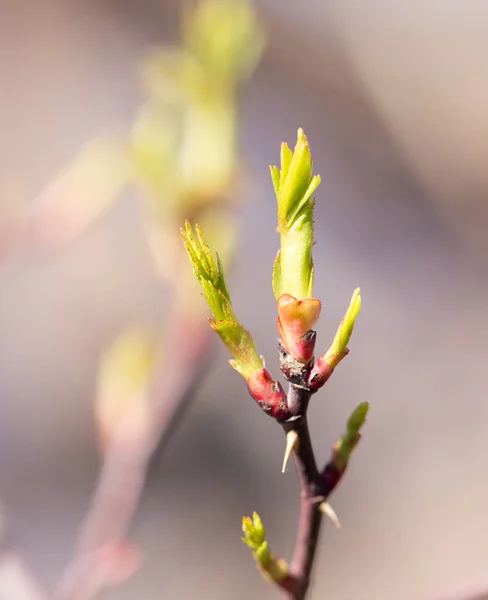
{"x":103,"y":558}
{"x":473,"y":593}
{"x":17,"y":580}
{"x":311,"y":496}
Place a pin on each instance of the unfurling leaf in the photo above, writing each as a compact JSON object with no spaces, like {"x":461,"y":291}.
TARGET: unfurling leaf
{"x":209,"y":272}
{"x":272,"y":568}
{"x":338,"y":349}
{"x":122,"y":407}
{"x":294,"y":186}
{"x":241,"y":345}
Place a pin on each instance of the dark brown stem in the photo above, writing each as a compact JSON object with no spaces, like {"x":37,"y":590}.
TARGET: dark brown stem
{"x":310,"y":494}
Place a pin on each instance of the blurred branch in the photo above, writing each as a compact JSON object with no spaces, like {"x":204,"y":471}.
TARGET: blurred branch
{"x":17,"y":581}
{"x":182,"y":153}
{"x":125,"y":467}
{"x":473,"y":593}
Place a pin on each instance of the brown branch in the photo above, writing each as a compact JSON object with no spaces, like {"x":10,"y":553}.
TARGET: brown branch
{"x":311,"y":494}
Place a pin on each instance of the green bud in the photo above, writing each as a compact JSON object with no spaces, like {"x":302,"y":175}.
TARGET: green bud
{"x":272,"y":568}
{"x":357,"y":418}
{"x":253,"y":529}
{"x":338,"y":349}
{"x":294,"y":186}
{"x":344,"y":447}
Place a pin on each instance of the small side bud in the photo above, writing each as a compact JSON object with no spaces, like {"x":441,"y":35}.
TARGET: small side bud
{"x":342,"y":450}
{"x":269,"y":394}
{"x":292,"y":442}
{"x":272,"y":568}
{"x":296,"y":318}
{"x":326,"y":364}
{"x":320,"y":374}
{"x":345,"y":446}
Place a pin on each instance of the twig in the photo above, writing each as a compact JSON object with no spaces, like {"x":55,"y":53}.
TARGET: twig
{"x":311,"y":494}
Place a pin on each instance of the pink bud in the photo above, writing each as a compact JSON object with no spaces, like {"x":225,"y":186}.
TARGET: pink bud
{"x":268,"y":394}
{"x":319,"y":374}
{"x":296,"y":319}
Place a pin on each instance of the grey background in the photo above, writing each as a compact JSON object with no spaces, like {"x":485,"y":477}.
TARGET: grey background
{"x":394,"y":99}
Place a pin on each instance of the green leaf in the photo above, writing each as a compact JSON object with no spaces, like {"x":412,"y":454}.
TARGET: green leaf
{"x":208,"y":272}
{"x":286,"y":157}
{"x":277,"y":276}
{"x":275,"y":177}
{"x":357,"y":419}
{"x":337,"y":350}
{"x":241,"y":345}
{"x":226,"y":38}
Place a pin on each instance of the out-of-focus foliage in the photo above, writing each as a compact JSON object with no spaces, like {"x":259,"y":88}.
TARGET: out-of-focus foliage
{"x":182,"y":157}
{"x":184,"y":139}
{"x":121,"y":406}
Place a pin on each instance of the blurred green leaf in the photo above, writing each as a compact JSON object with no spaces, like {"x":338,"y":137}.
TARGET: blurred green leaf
{"x":226,"y":38}
{"x":79,"y":196}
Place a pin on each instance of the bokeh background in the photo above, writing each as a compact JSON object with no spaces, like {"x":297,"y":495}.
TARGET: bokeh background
{"x":394,"y":99}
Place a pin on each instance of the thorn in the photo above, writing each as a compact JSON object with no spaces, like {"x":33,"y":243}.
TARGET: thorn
{"x":328,"y":511}
{"x":291,"y":444}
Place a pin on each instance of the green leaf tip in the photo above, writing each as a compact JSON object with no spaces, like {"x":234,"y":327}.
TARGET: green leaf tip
{"x":358,"y":418}
{"x":209,"y":272}
{"x":345,"y":446}
{"x":294,"y":186}
{"x":294,"y":183}
{"x":253,"y":529}
{"x":338,"y":350}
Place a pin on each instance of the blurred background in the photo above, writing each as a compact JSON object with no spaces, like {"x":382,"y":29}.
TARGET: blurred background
{"x":393,"y":97}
